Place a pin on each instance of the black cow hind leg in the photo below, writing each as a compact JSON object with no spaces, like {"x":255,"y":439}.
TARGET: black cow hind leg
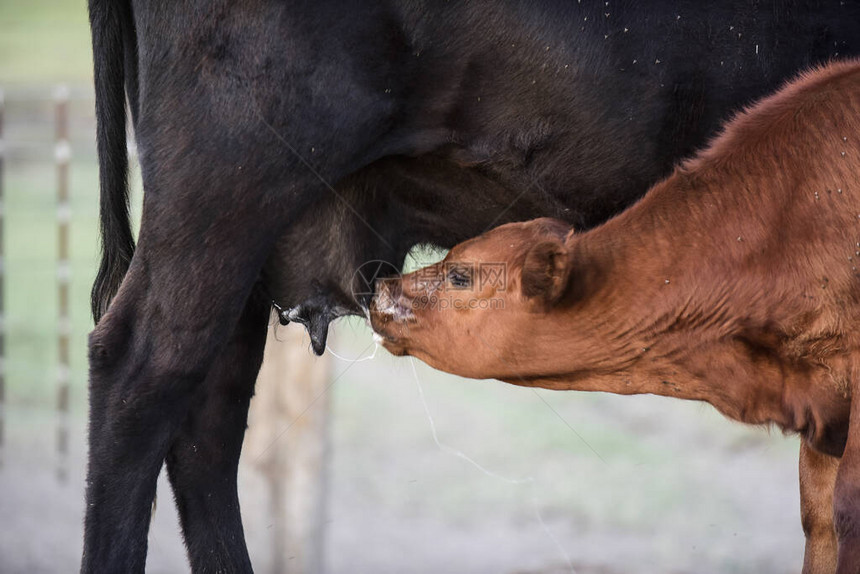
{"x":203,"y":460}
{"x":150,"y":355}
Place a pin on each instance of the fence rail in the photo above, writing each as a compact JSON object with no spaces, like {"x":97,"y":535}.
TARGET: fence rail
{"x":62,"y":155}
{"x":2,"y":291}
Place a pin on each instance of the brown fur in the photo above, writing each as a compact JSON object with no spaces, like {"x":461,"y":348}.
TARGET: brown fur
{"x":735,"y":281}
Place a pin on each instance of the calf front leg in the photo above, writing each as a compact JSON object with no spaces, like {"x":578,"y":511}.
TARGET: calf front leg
{"x":846,"y":495}
{"x":817,"y":479}
{"x":203,"y":460}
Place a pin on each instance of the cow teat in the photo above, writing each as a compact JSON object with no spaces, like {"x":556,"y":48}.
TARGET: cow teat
{"x":318,"y":332}
{"x":283,"y":314}
{"x":315,"y":313}
{"x":315,"y":321}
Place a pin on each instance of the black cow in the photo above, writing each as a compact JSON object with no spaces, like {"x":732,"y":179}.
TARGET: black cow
{"x":283,"y":144}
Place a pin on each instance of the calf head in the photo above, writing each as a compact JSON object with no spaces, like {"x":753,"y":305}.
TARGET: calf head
{"x":475,"y":311}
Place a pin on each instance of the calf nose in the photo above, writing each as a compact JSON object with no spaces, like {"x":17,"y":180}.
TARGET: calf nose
{"x":391,"y":287}
{"x":390,"y":302}
{"x":388,"y":292}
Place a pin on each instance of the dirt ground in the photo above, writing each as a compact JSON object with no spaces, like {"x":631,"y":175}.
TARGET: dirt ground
{"x":612,"y":484}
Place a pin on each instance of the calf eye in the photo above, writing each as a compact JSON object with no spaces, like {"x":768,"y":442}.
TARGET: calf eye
{"x":459,"y":278}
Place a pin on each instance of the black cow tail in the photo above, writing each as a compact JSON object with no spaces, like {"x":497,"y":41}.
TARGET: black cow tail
{"x":117,"y":242}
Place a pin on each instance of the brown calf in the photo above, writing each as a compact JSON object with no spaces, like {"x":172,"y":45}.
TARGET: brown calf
{"x":735,"y":281}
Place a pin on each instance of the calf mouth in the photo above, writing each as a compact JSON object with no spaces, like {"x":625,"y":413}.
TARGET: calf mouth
{"x":393,"y":346}
{"x":390,"y":333}
{"x":391,"y":316}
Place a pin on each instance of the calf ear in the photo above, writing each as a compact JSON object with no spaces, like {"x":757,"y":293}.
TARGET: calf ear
{"x":546,"y":271}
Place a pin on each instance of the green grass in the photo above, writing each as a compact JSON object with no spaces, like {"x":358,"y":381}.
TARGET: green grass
{"x":44,"y":42}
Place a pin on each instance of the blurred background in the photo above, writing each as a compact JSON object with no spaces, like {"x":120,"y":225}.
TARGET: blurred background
{"x":358,"y":462}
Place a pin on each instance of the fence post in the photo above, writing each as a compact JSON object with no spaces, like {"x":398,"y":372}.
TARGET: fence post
{"x":288,"y":443}
{"x":62,"y":156}
{"x":2,"y":293}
